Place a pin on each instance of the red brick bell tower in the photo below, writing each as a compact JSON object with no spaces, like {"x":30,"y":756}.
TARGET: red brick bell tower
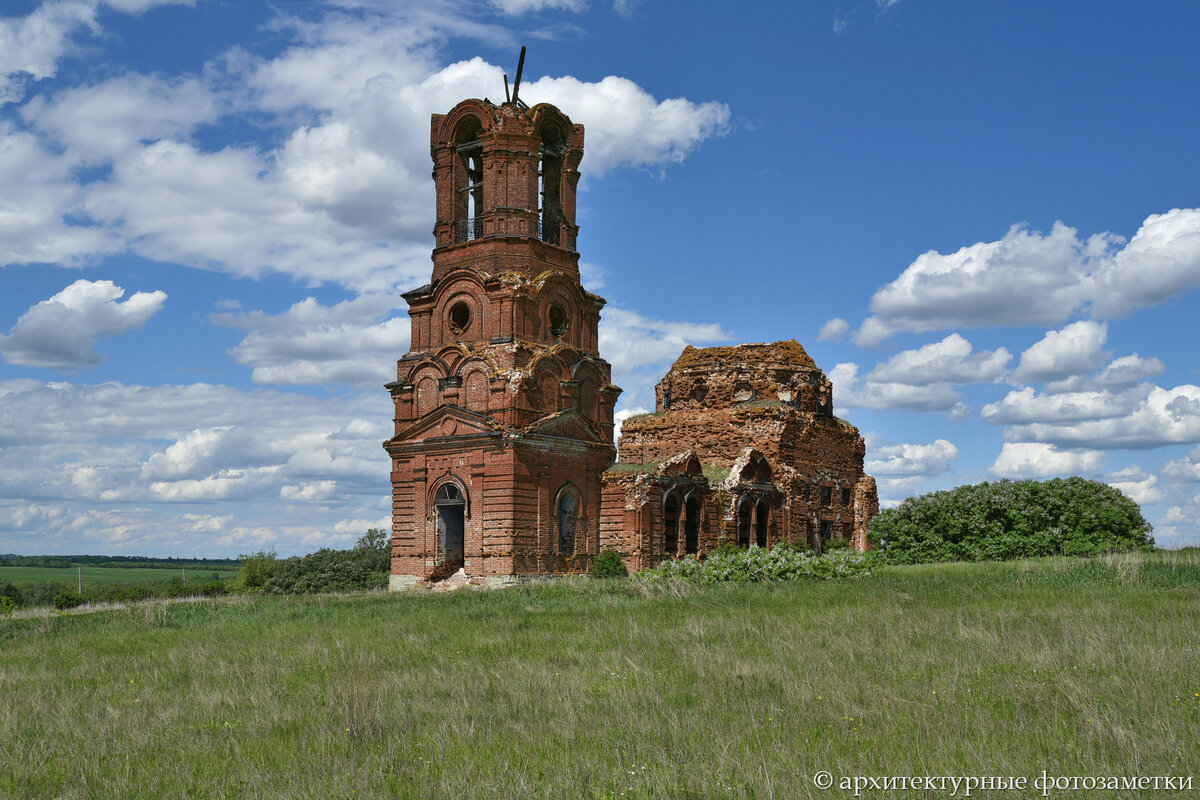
{"x":504,"y":407}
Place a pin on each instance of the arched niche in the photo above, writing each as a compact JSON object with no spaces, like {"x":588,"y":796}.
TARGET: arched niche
{"x":568,"y":509}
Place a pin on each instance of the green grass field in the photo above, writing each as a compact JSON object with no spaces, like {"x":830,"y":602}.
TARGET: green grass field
{"x":604,"y":690}
{"x":108,"y":575}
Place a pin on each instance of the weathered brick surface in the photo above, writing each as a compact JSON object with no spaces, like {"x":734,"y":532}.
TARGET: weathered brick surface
{"x":504,"y":405}
{"x":763,"y":413}
{"x":504,"y":396}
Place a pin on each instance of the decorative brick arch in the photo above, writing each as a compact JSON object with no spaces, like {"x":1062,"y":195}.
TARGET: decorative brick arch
{"x":548,"y":380}
{"x":549,"y":121}
{"x":425,"y":381}
{"x":475,"y":384}
{"x":435,"y":486}
{"x":568,"y":511}
{"x":459,"y":293}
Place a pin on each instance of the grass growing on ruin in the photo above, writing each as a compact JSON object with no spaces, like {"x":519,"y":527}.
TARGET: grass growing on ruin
{"x":606,"y":689}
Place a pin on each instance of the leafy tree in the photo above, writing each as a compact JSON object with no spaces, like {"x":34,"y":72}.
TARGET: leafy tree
{"x":375,"y":548}
{"x":257,"y":569}
{"x":1011,"y":519}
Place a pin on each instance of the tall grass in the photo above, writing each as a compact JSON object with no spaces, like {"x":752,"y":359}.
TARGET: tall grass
{"x":607,"y":689}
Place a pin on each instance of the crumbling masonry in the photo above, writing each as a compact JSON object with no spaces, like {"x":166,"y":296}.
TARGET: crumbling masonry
{"x":503,"y":458}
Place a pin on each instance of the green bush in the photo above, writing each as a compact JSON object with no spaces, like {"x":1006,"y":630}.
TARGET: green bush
{"x":10,"y":592}
{"x":65,"y":599}
{"x":257,"y":569}
{"x":7,"y":605}
{"x":361,"y":568}
{"x":609,"y":564}
{"x":42,"y":593}
{"x":1011,"y":519}
{"x":784,"y":562}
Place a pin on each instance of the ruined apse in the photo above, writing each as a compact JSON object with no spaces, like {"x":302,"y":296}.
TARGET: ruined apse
{"x":502,"y":460}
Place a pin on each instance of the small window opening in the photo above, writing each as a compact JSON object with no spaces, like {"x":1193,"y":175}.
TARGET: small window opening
{"x":559,"y":321}
{"x":460,"y":317}
{"x":845,"y":497}
{"x":826,"y":495}
{"x":699,"y":392}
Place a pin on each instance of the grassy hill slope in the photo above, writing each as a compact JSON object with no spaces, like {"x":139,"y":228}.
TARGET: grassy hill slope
{"x":597,"y":690}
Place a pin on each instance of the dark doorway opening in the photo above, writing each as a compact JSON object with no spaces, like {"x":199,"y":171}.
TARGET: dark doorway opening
{"x":691,"y":527}
{"x":451,"y":521}
{"x":762,"y":515}
{"x":671,"y":526}
{"x":744,"y":513}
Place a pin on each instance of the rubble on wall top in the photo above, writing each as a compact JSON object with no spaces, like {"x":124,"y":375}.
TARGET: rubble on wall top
{"x":788,"y":351}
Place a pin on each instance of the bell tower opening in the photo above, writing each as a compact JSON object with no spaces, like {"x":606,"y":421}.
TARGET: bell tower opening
{"x":468,"y":181}
{"x":550,"y":212}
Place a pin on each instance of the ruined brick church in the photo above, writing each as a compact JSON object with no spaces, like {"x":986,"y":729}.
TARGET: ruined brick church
{"x":503,"y":464}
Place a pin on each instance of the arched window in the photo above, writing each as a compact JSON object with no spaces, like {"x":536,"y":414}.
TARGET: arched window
{"x":550,"y":186}
{"x":566,"y":518}
{"x":762,"y":472}
{"x":691,"y":526}
{"x":468,"y":175}
{"x":450,"y":506}
{"x":745,"y":510}
{"x":762,"y":516}
{"x":671,"y":509}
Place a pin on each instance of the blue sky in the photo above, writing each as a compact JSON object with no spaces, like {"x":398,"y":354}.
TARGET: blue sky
{"x":979,"y":218}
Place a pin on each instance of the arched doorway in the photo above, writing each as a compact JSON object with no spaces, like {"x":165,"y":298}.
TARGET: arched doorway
{"x":762,"y":515}
{"x":671,"y":525}
{"x":451,"y":509}
{"x":745,"y":509}
{"x":691,"y":526}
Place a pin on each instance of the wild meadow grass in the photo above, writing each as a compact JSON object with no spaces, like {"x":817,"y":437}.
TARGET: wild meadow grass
{"x":605,"y":689}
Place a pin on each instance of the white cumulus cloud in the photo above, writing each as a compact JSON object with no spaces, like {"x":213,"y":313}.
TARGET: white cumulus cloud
{"x":1039,"y":460}
{"x":911,"y":460}
{"x":641,"y":349}
{"x":32,"y":46}
{"x":351,"y":342}
{"x":1137,"y":484}
{"x":1031,"y":278}
{"x":834,"y":330}
{"x":1076,"y":349}
{"x":947,"y":361}
{"x":851,"y":392}
{"x":1147,"y":417}
{"x":1027,"y":406}
{"x":61,"y":332}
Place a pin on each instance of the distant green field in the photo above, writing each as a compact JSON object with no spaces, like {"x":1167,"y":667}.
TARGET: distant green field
{"x":108,"y":575}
